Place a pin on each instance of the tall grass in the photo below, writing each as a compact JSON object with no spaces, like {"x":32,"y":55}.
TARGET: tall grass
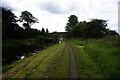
{"x":86,"y":68}
{"x":105,"y":53}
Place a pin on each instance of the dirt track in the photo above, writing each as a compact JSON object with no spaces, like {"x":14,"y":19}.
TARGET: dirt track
{"x":73,"y":70}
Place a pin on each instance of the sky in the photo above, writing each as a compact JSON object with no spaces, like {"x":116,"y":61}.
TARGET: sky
{"x":53,"y":14}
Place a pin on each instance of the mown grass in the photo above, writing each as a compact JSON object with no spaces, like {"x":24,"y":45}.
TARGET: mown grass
{"x":23,"y":67}
{"x":11,"y":48}
{"x":26,"y":60}
{"x":43,"y":69}
{"x":104,"y":53}
{"x":62,"y":68}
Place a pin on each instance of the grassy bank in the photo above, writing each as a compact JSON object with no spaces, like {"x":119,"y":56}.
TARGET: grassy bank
{"x":99,"y":58}
{"x":106,"y":55}
{"x":86,"y":68}
{"x":62,"y":68}
{"x":46,"y":64}
{"x":13,"y":48}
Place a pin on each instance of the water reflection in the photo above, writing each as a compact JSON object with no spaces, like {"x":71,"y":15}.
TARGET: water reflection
{"x":33,"y":53}
{"x":22,"y":57}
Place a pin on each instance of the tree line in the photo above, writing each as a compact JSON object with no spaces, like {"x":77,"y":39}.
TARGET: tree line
{"x":11,"y":29}
{"x":96,"y":28}
{"x":18,"y":40}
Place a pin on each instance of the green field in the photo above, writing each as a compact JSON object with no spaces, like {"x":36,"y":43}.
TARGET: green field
{"x":97,"y":59}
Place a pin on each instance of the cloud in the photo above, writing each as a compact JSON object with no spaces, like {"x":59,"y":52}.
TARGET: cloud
{"x":57,"y":8}
{"x":53,"y":14}
{"x":8,"y":6}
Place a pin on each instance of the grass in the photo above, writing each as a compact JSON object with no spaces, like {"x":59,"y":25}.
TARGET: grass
{"x":86,"y":68}
{"x":97,"y":59}
{"x":42,"y":65}
{"x":43,"y":69}
{"x":100,"y":56}
{"x":23,"y":63}
{"x":62,"y":68}
{"x":23,"y":47}
{"x":27,"y":60}
{"x":106,"y":56}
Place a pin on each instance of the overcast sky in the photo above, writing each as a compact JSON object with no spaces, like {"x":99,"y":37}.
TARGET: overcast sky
{"x":53,"y":14}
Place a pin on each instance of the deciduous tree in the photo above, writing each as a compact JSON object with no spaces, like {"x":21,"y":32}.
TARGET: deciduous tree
{"x":28,"y":19}
{"x":72,"y":21}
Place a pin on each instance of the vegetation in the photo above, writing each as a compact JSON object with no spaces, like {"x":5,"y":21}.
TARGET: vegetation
{"x":23,"y":47}
{"x":106,"y":55}
{"x":62,"y":68}
{"x":95,"y":47}
{"x":28,"y":18}
{"x":97,"y":59}
{"x":27,"y":39}
{"x":72,"y":21}
{"x":45,"y":64}
{"x":10,"y":28}
{"x":95,"y":51}
{"x":96,"y":28}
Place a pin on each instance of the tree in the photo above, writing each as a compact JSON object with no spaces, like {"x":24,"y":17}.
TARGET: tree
{"x":78,"y":29}
{"x":28,"y":19}
{"x":43,"y":31}
{"x":72,"y":21}
{"x":94,"y":29}
{"x":112,"y":32}
{"x":10,"y":29}
{"x":97,"y":28}
{"x":47,"y":32}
